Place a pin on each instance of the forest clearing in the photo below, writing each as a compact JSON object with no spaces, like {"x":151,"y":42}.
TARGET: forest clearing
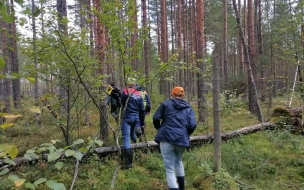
{"x":238,"y":61}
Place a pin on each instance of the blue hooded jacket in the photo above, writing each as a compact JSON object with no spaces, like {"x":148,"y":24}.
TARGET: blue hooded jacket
{"x":135,"y":106}
{"x":175,"y":121}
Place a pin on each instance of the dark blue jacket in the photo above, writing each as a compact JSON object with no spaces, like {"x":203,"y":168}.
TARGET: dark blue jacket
{"x":135,"y":106}
{"x":175,"y":121}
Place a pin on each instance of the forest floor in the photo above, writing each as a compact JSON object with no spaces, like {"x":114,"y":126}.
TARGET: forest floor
{"x":263,"y":160}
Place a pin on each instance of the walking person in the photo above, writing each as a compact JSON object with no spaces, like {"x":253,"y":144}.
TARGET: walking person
{"x":113,"y":99}
{"x":133,"y":113}
{"x":175,"y":121}
{"x":140,"y":129}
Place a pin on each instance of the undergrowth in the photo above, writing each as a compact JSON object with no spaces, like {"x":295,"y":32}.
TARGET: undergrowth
{"x":263,"y":160}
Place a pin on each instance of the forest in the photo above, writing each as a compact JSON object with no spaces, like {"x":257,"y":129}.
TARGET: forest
{"x":239,"y":62}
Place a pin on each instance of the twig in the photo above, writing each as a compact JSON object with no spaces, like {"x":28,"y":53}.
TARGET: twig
{"x":75,"y":173}
{"x":115,"y":176}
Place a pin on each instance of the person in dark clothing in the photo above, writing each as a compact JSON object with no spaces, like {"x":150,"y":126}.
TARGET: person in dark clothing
{"x":133,"y":113}
{"x":175,"y":121}
{"x":140,"y":129}
{"x":113,"y":100}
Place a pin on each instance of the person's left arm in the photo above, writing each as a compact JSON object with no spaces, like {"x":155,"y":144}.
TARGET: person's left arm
{"x":191,"y":122}
{"x":148,"y":107}
{"x":157,"y":117}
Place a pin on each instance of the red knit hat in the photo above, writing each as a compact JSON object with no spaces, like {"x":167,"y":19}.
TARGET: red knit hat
{"x":178,"y":91}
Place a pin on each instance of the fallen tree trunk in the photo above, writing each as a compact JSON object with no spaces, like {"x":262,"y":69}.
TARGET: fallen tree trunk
{"x":205,"y":139}
{"x":197,"y":139}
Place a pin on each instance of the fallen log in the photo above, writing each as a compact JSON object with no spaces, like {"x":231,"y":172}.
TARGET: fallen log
{"x":205,"y":139}
{"x":200,"y":139}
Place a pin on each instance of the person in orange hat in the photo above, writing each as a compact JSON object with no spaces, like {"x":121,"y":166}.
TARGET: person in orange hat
{"x":175,"y":122}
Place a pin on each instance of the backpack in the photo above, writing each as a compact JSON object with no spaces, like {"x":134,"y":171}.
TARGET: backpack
{"x":143,"y":95}
{"x":114,"y":92}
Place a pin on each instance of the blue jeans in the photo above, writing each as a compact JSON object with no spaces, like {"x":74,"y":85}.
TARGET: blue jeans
{"x":128,"y":130}
{"x":172,"y":157}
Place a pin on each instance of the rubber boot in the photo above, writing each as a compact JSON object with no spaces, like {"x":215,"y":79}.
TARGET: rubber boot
{"x":128,"y":159}
{"x":181,"y":182}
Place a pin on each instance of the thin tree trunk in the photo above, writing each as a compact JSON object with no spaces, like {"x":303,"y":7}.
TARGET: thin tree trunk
{"x":225,"y":43}
{"x":202,"y":107}
{"x":14,"y":59}
{"x":216,"y":113}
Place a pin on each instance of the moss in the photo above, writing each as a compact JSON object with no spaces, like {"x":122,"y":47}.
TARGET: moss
{"x":280,"y":111}
{"x":220,"y":180}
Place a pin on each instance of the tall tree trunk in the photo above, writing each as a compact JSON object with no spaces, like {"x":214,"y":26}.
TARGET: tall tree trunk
{"x":5,"y":91}
{"x":36,"y":85}
{"x":64,"y":88}
{"x":14,"y":59}
{"x":202,"y":107}
{"x":101,"y":42}
{"x":146,"y":53}
{"x":194,"y":50}
{"x":164,"y":45}
{"x":252,"y":56}
{"x":240,"y":46}
{"x":260,"y":48}
{"x":179,"y":39}
{"x":250,"y":72}
{"x":134,"y":35}
{"x":225,"y":44}
{"x":216,"y":112}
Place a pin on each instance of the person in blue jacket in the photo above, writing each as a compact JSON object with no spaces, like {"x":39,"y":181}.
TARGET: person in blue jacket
{"x":140,"y":129}
{"x":133,"y":111}
{"x":175,"y":121}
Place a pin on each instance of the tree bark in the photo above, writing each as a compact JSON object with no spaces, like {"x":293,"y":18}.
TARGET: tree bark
{"x":216,"y":114}
{"x":14,"y":59}
{"x":202,"y":107}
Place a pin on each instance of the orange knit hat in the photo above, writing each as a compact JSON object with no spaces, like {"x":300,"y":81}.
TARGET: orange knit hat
{"x":178,"y":91}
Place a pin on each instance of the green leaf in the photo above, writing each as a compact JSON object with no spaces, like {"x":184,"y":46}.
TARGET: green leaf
{"x":53,"y":156}
{"x":83,"y":149}
{"x":36,"y":13}
{"x":6,"y":125}
{"x":54,"y":185}
{"x":69,"y":152}
{"x":4,"y":148}
{"x":30,"y":151}
{"x":99,"y":142}
{"x":35,"y":109}
{"x":39,"y":181}
{"x":13,"y":178}
{"x":78,"y":141}
{"x":10,"y":116}
{"x":13,"y":152}
{"x":59,"y":165}
{"x":78,"y":155}
{"x":2,"y":63}
{"x":30,"y":79}
{"x":23,"y":21}
{"x":8,"y":76}
{"x":27,"y":11}
{"x":20,"y":2}
{"x":4,"y":171}
{"x":9,"y":161}
{"x":8,"y":18}
{"x":30,"y":186}
{"x":19,"y":182}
